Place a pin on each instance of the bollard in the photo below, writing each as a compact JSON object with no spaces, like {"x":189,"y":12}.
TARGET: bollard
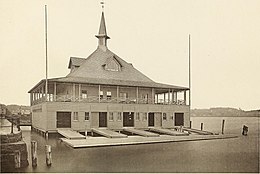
{"x":48,"y":155}
{"x":34,"y":153}
{"x":222,"y":128}
{"x":201,"y":126}
{"x":17,"y":159}
{"x":190,"y":124}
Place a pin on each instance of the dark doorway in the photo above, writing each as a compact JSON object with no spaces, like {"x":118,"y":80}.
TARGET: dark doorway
{"x":63,"y":119}
{"x":102,"y":119}
{"x":128,"y":119}
{"x":179,"y":119}
{"x":150,"y":119}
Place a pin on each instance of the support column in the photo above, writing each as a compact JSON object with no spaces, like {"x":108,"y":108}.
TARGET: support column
{"x":79,"y":92}
{"x":117,"y":94}
{"x":173,"y":97}
{"x":153,"y":96}
{"x":168,"y":96}
{"x":137,"y":94}
{"x":31,"y":98}
{"x":185,"y":97}
{"x":164,"y":98}
{"x":73,"y":92}
{"x":55,"y":91}
{"x":99,"y":93}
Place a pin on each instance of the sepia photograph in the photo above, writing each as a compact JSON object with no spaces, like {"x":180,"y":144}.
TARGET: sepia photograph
{"x":127,"y":86}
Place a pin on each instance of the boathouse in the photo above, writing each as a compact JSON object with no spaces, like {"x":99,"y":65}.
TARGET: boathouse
{"x":105,"y":91}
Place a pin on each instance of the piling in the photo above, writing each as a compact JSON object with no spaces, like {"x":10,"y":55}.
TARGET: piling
{"x":201,"y":126}
{"x":222,"y":127}
{"x":34,"y":153}
{"x":12,"y":126}
{"x":48,"y":155}
{"x":17,"y":159}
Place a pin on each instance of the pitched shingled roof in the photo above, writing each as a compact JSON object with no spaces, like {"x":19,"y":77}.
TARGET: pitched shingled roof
{"x":91,"y":70}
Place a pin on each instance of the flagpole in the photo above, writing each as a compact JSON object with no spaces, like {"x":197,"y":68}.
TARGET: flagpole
{"x":46,"y":56}
{"x":189,"y":78}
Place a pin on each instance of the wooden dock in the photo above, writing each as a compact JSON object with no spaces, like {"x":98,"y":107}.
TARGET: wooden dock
{"x":141,"y":132}
{"x":200,"y":132}
{"x":70,"y":134}
{"x":168,"y":131}
{"x":108,"y":133}
{"x":135,"y":140}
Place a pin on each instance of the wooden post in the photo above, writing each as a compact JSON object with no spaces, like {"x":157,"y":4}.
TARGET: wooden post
{"x":190,"y":123}
{"x":222,"y":128}
{"x":12,"y":126}
{"x":48,"y":155}
{"x":17,"y":159}
{"x":34,"y":153}
{"x":86,"y":134}
{"x":201,"y":126}
{"x":46,"y":135}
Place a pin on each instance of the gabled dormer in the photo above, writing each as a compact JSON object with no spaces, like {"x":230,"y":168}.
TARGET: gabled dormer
{"x":75,"y":63}
{"x":112,"y":64}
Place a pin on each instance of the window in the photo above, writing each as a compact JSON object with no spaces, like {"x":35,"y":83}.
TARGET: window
{"x":119,"y":116}
{"x":109,"y":94}
{"x":87,"y":116}
{"x":164,"y":116}
{"x":111,"y":116}
{"x":137,"y":116}
{"x":144,"y":116}
{"x":84,"y":94}
{"x":101,"y":94}
{"x":75,"y":116}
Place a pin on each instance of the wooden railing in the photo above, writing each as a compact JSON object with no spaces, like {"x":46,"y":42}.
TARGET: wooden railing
{"x":97,"y":99}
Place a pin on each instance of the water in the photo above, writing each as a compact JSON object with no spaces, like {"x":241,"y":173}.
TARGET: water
{"x":228,"y":155}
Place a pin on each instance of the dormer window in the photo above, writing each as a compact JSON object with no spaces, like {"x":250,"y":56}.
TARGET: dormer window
{"x":112,"y":65}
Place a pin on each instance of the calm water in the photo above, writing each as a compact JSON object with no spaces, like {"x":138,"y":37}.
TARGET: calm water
{"x":228,"y":155}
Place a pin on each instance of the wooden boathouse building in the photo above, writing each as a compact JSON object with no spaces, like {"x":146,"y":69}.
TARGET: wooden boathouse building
{"x":105,"y":91}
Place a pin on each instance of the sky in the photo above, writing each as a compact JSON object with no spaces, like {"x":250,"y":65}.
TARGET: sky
{"x":150,"y":34}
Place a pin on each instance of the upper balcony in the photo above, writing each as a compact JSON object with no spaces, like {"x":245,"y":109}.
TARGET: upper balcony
{"x":72,"y":92}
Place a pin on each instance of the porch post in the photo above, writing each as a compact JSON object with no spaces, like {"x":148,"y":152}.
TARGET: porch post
{"x":137,"y":94}
{"x":175,"y":97}
{"x":99,"y":93}
{"x":172,"y":96}
{"x":157,"y":98}
{"x":31,"y":98}
{"x":168,"y":96}
{"x":55,"y":91}
{"x":117,"y":94}
{"x":73,"y":91}
{"x":153,"y":96}
{"x":185,"y":97}
{"x":79,"y":91}
{"x":164,"y":98}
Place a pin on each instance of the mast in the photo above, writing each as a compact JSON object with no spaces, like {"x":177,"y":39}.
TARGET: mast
{"x":46,"y":56}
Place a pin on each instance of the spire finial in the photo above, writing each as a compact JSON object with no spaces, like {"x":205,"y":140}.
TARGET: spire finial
{"x":102,"y":5}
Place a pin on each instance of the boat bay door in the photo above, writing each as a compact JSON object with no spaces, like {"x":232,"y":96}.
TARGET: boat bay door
{"x":179,"y":119}
{"x":63,"y":119}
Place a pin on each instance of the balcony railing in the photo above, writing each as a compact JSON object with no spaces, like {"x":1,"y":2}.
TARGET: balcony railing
{"x":97,"y":99}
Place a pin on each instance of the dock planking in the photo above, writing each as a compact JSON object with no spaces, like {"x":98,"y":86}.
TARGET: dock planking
{"x":70,"y":134}
{"x":168,"y":131}
{"x":141,"y":132}
{"x":108,"y":133}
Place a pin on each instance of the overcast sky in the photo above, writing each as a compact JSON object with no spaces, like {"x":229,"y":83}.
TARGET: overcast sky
{"x":150,"y":34}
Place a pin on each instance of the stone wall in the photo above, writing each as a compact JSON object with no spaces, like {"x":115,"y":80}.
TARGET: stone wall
{"x":7,"y":155}
{"x":11,"y":138}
